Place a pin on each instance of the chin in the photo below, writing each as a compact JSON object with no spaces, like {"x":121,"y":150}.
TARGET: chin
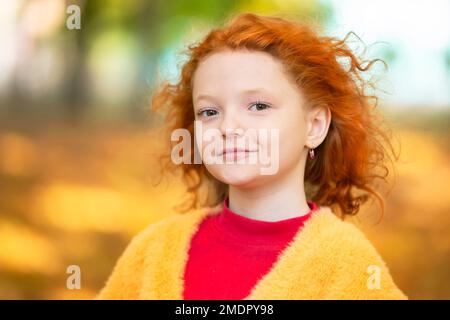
{"x":236,"y":175}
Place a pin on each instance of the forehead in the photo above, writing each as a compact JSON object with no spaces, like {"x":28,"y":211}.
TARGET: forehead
{"x":239,"y":70}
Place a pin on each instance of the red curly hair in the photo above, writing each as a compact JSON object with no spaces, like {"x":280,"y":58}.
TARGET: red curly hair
{"x":356,"y":148}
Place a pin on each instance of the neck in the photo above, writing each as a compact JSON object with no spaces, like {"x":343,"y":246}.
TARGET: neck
{"x":281,"y":199}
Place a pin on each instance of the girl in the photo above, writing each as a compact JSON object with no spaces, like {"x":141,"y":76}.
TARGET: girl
{"x":267,"y":89}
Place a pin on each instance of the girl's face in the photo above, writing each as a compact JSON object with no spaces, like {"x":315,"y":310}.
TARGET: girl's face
{"x":251,"y":126}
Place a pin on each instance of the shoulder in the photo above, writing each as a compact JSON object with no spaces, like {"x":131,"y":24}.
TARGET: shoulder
{"x":150,"y":246}
{"x":337,"y":233}
{"x":172,"y":227}
{"x":356,"y":264}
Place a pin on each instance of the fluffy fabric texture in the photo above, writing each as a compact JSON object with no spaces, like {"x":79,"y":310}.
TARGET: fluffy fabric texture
{"x":328,"y":259}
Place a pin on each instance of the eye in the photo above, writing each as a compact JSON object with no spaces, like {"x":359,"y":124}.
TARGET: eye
{"x":258,"y":106}
{"x":207,"y":113}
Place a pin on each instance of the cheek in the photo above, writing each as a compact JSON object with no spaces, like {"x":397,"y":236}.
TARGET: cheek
{"x":205,"y":137}
{"x":291,"y":131}
{"x":292,"y":139}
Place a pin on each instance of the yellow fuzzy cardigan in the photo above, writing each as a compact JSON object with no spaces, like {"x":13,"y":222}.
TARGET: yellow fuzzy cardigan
{"x":327,"y":259}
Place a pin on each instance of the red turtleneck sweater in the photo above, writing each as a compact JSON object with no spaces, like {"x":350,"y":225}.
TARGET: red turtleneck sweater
{"x":229,"y":253}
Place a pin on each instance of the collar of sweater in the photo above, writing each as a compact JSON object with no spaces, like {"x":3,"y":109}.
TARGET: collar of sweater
{"x":252,"y":232}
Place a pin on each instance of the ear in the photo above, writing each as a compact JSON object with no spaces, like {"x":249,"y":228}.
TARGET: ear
{"x":318,"y":123}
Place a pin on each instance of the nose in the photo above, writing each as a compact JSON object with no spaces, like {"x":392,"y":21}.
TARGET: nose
{"x":230,"y":125}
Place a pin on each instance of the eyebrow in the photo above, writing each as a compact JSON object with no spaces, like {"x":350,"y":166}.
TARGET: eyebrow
{"x":247,"y":91}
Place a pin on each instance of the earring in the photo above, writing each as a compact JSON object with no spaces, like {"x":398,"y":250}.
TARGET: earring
{"x":311,"y":154}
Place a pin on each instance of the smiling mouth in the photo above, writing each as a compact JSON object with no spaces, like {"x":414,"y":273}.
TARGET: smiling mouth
{"x":232,"y":151}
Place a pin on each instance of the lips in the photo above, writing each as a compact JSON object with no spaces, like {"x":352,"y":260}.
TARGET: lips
{"x":235,"y":151}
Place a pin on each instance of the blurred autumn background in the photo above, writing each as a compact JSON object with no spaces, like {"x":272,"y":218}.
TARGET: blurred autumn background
{"x":76,"y":138}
